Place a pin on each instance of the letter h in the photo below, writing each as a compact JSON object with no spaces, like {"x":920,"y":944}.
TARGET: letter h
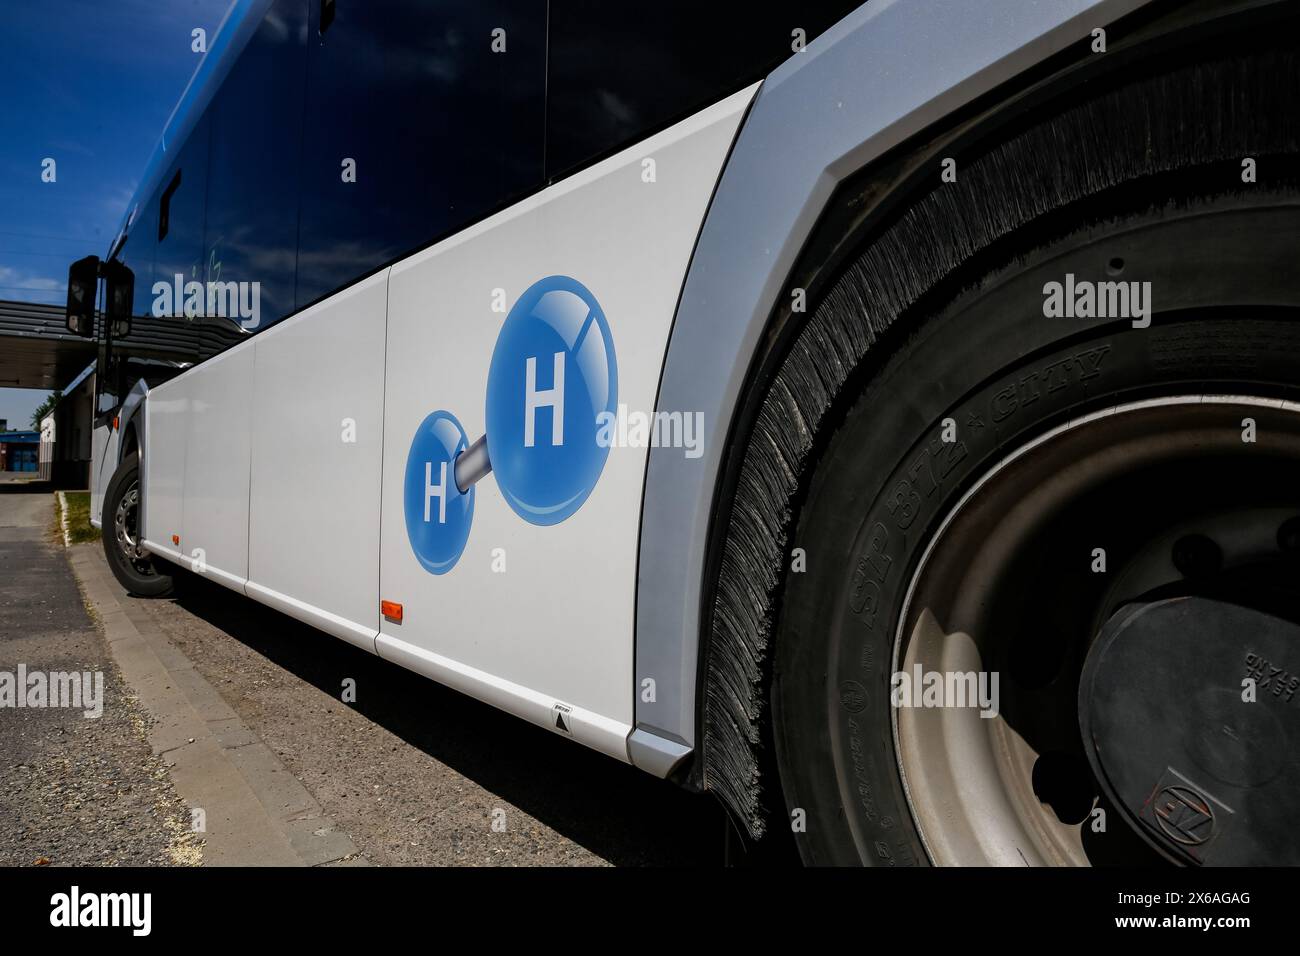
{"x":438,"y":491}
{"x":535,"y":398}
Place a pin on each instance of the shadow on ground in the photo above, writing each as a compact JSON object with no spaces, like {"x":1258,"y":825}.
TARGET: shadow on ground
{"x":613,"y":810}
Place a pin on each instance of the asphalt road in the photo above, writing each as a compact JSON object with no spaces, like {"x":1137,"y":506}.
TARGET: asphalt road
{"x":73,"y":790}
{"x":414,"y":773}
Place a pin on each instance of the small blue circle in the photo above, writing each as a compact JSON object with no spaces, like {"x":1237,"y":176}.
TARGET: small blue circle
{"x":438,"y":514}
{"x":543,"y":440}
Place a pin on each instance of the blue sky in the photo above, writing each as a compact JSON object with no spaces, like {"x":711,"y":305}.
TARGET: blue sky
{"x":89,"y":84}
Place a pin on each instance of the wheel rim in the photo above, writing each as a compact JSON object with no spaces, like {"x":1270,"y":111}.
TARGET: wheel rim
{"x":1009,"y":789}
{"x":125,"y":530}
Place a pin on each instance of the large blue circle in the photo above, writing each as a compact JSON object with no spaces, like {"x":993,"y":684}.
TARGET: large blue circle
{"x":431,"y":491}
{"x":545,"y":480}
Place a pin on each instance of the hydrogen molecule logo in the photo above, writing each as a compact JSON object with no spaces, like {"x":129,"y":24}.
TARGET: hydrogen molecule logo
{"x":438,"y":513}
{"x":553,"y":372}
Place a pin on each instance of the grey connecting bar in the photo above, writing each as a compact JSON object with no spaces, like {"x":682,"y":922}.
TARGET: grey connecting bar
{"x":472,"y":464}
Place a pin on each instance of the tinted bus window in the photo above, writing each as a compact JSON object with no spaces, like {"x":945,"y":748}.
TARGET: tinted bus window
{"x":618,"y":71}
{"x":415,"y":126}
{"x":256,"y":131}
{"x":180,"y":251}
{"x":138,"y":255}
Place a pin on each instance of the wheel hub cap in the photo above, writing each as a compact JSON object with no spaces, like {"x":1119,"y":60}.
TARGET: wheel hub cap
{"x":1190,"y":712}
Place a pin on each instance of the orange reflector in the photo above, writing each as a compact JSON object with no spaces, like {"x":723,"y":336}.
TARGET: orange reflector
{"x":176,"y":539}
{"x":391,"y":610}
{"x":114,"y":423}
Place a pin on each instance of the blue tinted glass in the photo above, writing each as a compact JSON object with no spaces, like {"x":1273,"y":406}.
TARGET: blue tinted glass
{"x":138,"y":256}
{"x":439,"y":127}
{"x":179,"y":252}
{"x":618,"y":71}
{"x":256,"y":131}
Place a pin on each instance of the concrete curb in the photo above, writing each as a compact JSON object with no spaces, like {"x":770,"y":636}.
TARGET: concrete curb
{"x":63,"y":520}
{"x":258,"y":814}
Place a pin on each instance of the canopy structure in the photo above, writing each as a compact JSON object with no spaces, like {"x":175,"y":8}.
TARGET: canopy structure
{"x":36,"y":349}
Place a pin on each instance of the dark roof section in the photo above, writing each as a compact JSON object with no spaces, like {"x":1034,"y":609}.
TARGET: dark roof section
{"x":36,"y":349}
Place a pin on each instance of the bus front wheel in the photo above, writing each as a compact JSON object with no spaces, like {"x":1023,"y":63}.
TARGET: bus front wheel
{"x":1044,"y":548}
{"x":134,"y":567}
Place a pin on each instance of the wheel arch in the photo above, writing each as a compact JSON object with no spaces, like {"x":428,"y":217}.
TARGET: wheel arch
{"x":131,"y":422}
{"x":814,"y":208}
{"x":127,"y":434}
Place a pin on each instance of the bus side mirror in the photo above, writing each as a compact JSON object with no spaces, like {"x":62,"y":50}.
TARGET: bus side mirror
{"x":119,"y":295}
{"x":83,"y":283}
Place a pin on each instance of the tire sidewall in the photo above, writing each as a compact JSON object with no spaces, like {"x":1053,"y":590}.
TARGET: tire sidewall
{"x":1002,"y":374}
{"x":154,"y":585}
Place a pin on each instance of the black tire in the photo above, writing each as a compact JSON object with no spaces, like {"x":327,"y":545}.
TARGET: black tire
{"x":1220,"y":258}
{"x":135,"y":569}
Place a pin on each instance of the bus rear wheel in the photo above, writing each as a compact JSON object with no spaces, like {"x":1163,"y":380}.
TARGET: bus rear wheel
{"x":134,"y":567}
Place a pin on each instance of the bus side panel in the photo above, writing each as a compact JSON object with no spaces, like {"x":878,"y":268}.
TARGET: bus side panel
{"x":214,"y":534}
{"x":162,"y":479}
{"x":318,"y":405}
{"x":531,"y":617}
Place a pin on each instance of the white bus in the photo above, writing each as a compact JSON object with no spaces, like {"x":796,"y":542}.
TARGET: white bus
{"x":881,"y":417}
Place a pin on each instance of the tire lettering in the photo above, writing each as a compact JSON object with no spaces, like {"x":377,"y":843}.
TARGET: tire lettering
{"x":870,"y":573}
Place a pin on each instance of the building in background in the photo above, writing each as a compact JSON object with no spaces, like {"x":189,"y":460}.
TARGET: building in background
{"x":65,"y":450}
{"x":19,"y":451}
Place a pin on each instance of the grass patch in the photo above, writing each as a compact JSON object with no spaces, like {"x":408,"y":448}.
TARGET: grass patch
{"x":79,"y":527}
